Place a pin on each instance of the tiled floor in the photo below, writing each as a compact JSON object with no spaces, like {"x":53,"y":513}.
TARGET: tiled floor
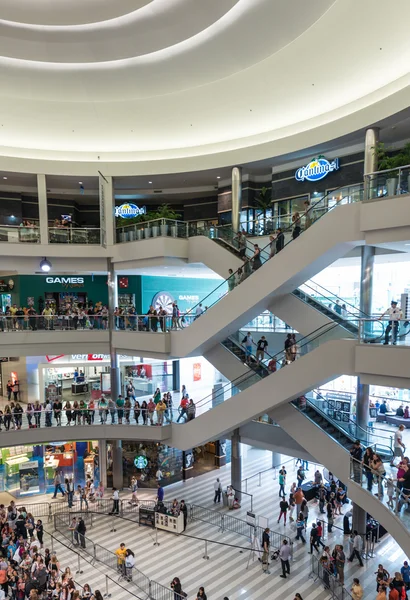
{"x":225,"y":573}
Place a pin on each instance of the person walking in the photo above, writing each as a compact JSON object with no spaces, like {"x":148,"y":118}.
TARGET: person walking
{"x":314,"y":542}
{"x":70,"y":491}
{"x":357,"y":548}
{"x":280,"y":240}
{"x":394,"y":314}
{"x":79,"y":533}
{"x":218,"y":491}
{"x":57,"y":485}
{"x":283,"y":506}
{"x":231,"y":280}
{"x":184,"y":509}
{"x":285,"y":553}
{"x":399,"y":447}
{"x":300,"y":526}
{"x":282,"y":480}
{"x":298,"y":495}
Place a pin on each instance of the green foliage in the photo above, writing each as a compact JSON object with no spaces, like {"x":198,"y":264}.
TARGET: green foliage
{"x":264,"y":199}
{"x":385,"y":160}
{"x":165,"y":212}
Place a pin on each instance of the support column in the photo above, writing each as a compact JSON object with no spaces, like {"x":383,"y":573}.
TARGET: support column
{"x":370,"y":159}
{"x":366,"y":293}
{"x":236,"y":197}
{"x":42,"y":208}
{"x":236,"y":464}
{"x":102,"y":461}
{"x":112,"y":303}
{"x":117,"y":469}
{"x":359,"y":520}
{"x":276,"y":460}
{"x":107,"y":208}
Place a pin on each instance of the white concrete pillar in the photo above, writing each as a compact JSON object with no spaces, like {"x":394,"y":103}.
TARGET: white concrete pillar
{"x":107,"y":206}
{"x":42,"y":208}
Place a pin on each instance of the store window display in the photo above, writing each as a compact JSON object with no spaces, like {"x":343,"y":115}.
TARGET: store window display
{"x":30,"y":470}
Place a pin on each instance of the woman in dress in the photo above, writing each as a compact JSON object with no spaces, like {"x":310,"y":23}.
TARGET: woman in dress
{"x":256,"y":258}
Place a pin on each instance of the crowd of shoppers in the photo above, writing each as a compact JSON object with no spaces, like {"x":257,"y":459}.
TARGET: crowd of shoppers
{"x":27,"y":569}
{"x":127,"y":410}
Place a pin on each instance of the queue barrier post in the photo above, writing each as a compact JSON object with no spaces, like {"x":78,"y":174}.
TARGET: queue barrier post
{"x":205,"y":556}
{"x":79,"y":565}
{"x":107,"y":593}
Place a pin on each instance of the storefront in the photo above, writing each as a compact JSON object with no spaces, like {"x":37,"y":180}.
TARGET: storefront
{"x":148,"y":461}
{"x":30,"y":470}
{"x":79,"y":376}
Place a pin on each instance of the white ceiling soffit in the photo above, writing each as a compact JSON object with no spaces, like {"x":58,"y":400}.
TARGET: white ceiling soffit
{"x":169,"y":85}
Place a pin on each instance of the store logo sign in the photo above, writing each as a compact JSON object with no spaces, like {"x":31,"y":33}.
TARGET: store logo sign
{"x":141,"y":462}
{"x":129,"y":211}
{"x":192,"y":298}
{"x":90,"y":356}
{"x":66,"y":280}
{"x":317,"y":169}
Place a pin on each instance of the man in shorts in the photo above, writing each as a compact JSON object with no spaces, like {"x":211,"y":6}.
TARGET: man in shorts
{"x":399,"y":447}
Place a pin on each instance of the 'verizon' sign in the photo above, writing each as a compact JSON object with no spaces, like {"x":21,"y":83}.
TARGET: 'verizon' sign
{"x":317,"y":169}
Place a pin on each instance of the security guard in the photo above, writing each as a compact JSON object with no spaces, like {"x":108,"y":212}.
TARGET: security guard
{"x":395,"y":315}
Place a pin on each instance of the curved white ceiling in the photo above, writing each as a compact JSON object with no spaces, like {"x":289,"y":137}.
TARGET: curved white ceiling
{"x":132,"y":80}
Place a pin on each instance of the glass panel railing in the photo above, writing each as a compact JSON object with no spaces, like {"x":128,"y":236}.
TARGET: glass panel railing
{"x":13,"y":234}
{"x":390,"y":182}
{"x":268,"y":322}
{"x":152,"y":229}
{"x":337,"y":309}
{"x":393,"y":332}
{"x":282,"y":238}
{"x":74,"y":235}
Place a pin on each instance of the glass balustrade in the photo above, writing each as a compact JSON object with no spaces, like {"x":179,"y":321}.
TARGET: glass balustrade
{"x":74,"y":235}
{"x":14,"y":234}
{"x":391,"y":182}
{"x":393,"y":332}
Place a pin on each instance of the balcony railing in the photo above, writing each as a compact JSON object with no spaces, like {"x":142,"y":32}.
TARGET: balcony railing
{"x":15,"y":234}
{"x":391,"y":182}
{"x":74,"y":235}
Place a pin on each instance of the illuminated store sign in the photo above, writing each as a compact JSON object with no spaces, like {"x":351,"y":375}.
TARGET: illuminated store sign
{"x":141,"y":462}
{"x":129,"y":211}
{"x":317,"y":169}
{"x":66,"y":280}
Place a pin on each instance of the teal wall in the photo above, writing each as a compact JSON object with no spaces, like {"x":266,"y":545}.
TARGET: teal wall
{"x":35,"y":285}
{"x":144,"y":288}
{"x":182,"y":286}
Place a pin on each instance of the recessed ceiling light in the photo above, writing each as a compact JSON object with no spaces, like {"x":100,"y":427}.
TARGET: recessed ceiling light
{"x":4,"y":177}
{"x":80,"y":182}
{"x":218,"y":177}
{"x":149,"y":181}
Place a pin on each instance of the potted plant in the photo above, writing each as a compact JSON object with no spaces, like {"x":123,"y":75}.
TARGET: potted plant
{"x":391,"y":162}
{"x":165,"y":212}
{"x":264,"y":203}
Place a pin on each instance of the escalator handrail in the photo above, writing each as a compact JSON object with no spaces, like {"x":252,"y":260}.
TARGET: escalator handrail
{"x":355,"y":308}
{"x":319,"y":392}
{"x":349,"y":320}
{"x":286,"y":230}
{"x":240,"y":345}
{"x":335,"y":424}
{"x":317,"y":333}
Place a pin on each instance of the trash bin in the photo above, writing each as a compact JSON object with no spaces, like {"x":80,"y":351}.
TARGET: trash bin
{"x":225,"y":499}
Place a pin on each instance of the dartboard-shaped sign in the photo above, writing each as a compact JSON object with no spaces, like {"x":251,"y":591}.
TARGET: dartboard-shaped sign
{"x":163,"y":300}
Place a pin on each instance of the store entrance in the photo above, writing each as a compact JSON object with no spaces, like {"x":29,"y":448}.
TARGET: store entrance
{"x":60,"y":301}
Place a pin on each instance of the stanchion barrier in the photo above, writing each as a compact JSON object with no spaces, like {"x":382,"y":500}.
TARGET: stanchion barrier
{"x":205,"y":556}
{"x":107,"y":593}
{"x":79,"y":565}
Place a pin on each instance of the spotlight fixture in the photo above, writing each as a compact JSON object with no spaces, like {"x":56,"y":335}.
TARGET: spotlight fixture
{"x":218,"y":177}
{"x":149,"y":181}
{"x":45,"y":265}
{"x":4,"y":177}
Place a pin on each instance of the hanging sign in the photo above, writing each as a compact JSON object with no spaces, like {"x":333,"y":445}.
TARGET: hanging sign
{"x":129,"y":211}
{"x":141,"y":462}
{"x":317,"y":169}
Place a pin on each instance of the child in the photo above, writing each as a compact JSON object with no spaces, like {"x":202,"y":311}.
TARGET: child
{"x":390,"y":487}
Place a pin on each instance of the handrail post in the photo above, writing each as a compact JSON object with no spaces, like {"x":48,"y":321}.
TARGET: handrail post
{"x":398,"y":191}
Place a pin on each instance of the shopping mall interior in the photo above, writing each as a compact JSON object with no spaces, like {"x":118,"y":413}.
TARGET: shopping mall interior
{"x":204,"y":300}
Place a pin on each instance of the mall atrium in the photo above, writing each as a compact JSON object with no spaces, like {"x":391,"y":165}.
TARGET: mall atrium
{"x":204,"y":299}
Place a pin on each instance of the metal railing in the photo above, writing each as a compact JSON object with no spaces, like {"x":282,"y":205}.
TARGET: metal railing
{"x":386,"y":183}
{"x":259,"y":475}
{"x":394,"y":331}
{"x":152,"y":229}
{"x":319,"y":570}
